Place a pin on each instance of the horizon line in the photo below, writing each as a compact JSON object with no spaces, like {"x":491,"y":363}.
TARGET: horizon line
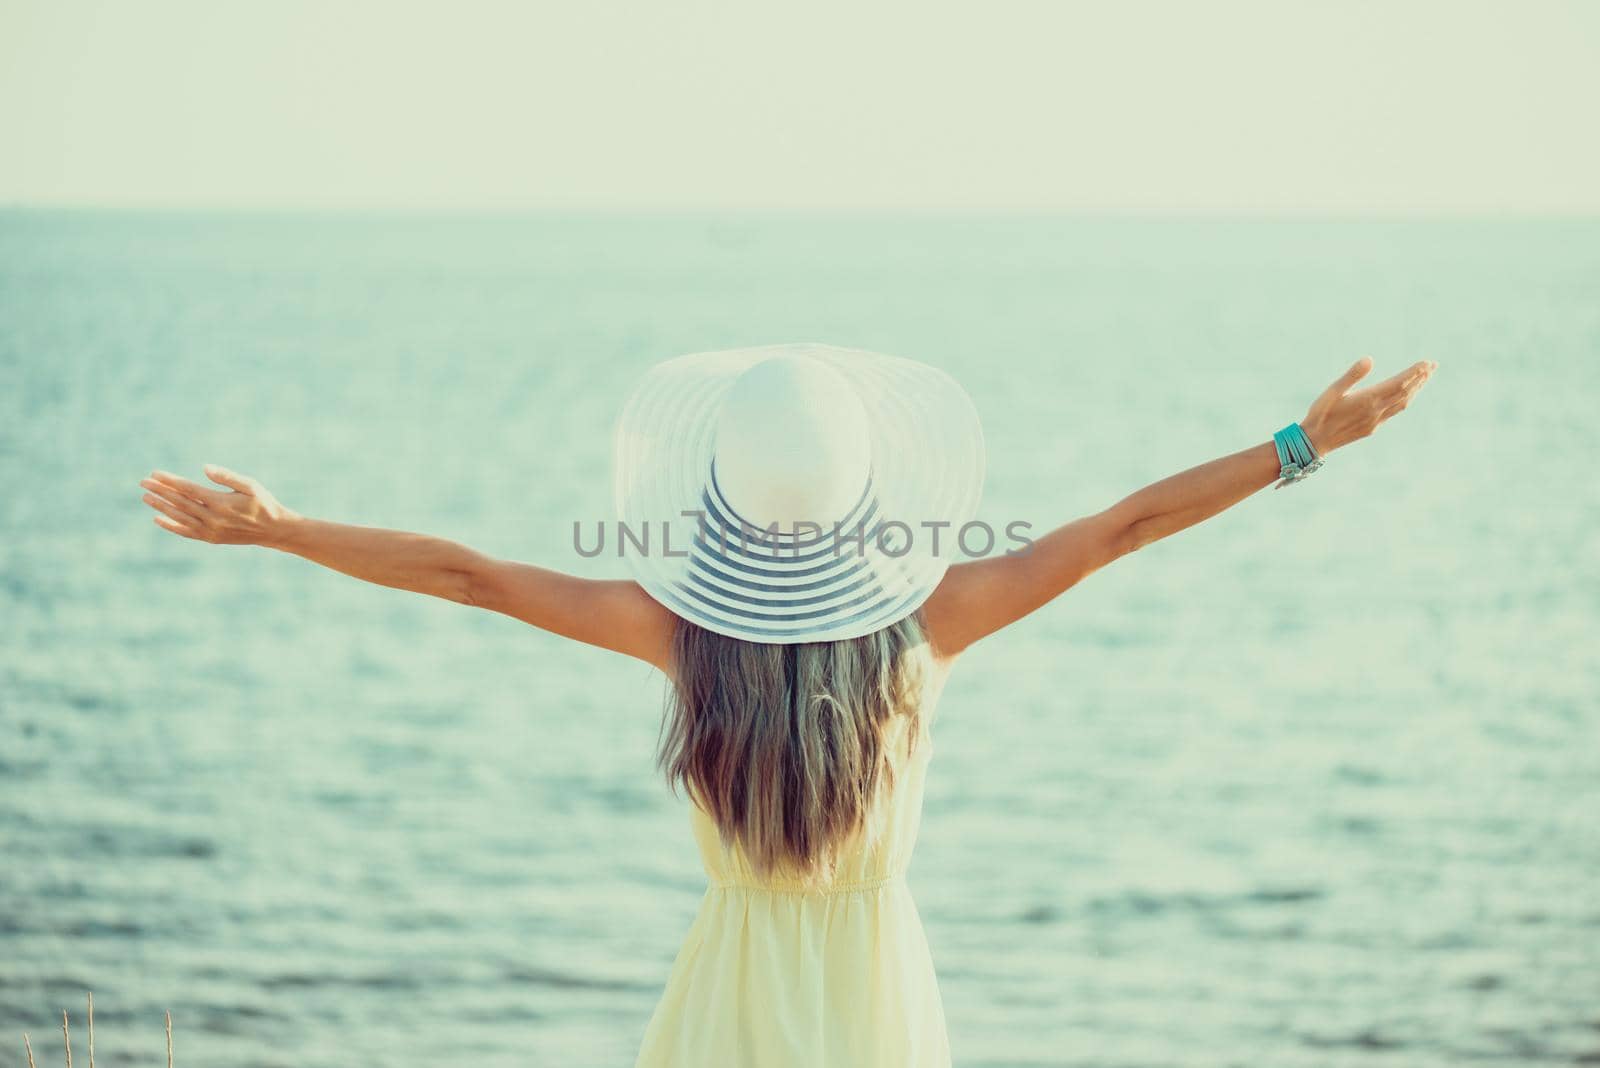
{"x":357,"y":210}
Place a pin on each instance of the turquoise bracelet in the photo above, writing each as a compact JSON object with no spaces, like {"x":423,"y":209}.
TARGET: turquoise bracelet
{"x":1296,"y":456}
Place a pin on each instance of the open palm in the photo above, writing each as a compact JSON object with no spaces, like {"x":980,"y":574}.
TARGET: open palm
{"x":242,"y":513}
{"x":1337,"y":417}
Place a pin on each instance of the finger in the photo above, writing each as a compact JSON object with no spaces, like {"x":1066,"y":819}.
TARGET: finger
{"x":234,"y":481}
{"x":1410,"y":375}
{"x":1401,"y":385}
{"x":1415,"y":380}
{"x":172,"y":494}
{"x":182,"y":511}
{"x":184,"y":488}
{"x":1396,"y":406}
{"x":1386,"y":393}
{"x":177,"y":528}
{"x":1356,"y":373}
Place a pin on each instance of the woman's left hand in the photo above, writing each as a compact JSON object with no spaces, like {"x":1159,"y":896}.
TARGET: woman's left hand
{"x":242,"y":514}
{"x":1338,"y":417}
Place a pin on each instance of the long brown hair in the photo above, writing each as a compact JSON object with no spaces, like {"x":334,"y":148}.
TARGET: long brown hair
{"x":784,"y":746}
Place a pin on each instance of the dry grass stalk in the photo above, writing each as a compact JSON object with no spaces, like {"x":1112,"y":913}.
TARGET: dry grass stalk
{"x":66,"y":1037}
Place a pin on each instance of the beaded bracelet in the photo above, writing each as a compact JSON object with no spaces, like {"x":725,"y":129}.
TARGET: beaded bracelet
{"x":1296,"y":457}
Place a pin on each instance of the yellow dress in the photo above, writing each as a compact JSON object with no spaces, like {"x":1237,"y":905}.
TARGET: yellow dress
{"x":771,"y":976}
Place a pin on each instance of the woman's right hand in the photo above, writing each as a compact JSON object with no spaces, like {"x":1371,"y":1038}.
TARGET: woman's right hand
{"x":242,"y":514}
{"x":1338,"y":417}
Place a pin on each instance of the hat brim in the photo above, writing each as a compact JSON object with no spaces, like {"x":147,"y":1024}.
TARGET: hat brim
{"x":688,"y":550}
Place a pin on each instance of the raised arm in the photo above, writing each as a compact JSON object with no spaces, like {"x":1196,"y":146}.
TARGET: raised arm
{"x":612,"y":614}
{"x":980,"y":597}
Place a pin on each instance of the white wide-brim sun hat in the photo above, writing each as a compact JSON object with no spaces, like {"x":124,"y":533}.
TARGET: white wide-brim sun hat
{"x":796,"y":492}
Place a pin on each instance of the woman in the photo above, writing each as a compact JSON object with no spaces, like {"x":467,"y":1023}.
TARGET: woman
{"x":782,"y":510}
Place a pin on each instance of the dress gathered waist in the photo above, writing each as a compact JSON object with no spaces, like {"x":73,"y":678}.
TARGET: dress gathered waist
{"x":850,"y":887}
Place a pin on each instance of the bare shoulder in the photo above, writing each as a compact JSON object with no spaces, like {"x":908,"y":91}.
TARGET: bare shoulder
{"x":976,"y":598}
{"x":948,"y":614}
{"x":644,"y":625}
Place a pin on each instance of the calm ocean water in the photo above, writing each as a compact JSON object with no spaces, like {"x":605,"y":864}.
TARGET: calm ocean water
{"x":1317,"y":783}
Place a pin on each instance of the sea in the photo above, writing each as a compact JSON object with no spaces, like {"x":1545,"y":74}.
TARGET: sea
{"x":1315,"y":782}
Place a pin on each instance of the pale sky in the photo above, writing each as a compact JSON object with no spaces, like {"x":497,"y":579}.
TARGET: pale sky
{"x":1276,"y":105}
